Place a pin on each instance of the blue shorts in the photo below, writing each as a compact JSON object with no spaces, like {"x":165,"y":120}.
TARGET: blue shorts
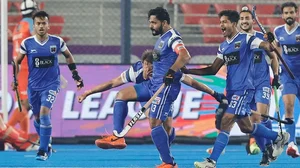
{"x":290,"y":86}
{"x":239,"y":102}
{"x":262,"y":95}
{"x":143,"y":93}
{"x":162,"y":106}
{"x":40,"y":98}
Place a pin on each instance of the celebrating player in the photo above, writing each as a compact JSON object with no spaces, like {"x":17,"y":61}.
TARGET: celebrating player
{"x":288,"y":39}
{"x":44,"y":76}
{"x":236,"y":53}
{"x":139,"y":72}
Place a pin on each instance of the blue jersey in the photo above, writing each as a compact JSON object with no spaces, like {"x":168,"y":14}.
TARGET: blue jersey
{"x":262,"y":74}
{"x":238,"y":57}
{"x":164,"y":57}
{"x":290,"y":45}
{"x":134,"y":73}
{"x":43,"y":61}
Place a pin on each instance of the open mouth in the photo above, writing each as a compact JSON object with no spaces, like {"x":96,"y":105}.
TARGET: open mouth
{"x":223,"y":29}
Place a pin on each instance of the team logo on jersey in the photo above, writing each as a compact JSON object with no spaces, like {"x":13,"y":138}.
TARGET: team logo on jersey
{"x":298,"y":37}
{"x":156,"y":100}
{"x":53,"y":49}
{"x":33,"y":51}
{"x":257,"y":57}
{"x":161,"y":44}
{"x":235,"y":97}
{"x":237,"y":44}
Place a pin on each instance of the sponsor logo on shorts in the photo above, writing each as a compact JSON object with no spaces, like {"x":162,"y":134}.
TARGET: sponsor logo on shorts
{"x":156,"y":100}
{"x":235,"y":97}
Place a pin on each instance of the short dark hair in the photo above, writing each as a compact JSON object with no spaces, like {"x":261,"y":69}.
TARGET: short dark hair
{"x":147,"y":56}
{"x":246,"y":9}
{"x":289,"y":4}
{"x":160,"y":13}
{"x":40,"y":14}
{"x":232,"y":15}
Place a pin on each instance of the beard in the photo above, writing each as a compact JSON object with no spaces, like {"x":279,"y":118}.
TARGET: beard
{"x":157,"y":32}
{"x":247,"y":29}
{"x":289,"y":21}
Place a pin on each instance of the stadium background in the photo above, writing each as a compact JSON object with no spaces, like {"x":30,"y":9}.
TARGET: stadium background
{"x":98,"y":32}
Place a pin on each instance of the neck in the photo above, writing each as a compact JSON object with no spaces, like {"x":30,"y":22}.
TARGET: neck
{"x":167,"y":29}
{"x":290,"y":27}
{"x":42,"y":38}
{"x":251,"y":31}
{"x":232,"y":34}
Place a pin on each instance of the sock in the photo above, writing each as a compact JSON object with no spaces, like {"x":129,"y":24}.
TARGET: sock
{"x":291,"y":128}
{"x":260,"y":141}
{"x":120,"y":113}
{"x":161,"y":140}
{"x":45,"y":132}
{"x":36,"y":124}
{"x":267,"y":123}
{"x":220,"y":143}
{"x":172,"y":136}
{"x":262,"y":131}
{"x":24,"y":123}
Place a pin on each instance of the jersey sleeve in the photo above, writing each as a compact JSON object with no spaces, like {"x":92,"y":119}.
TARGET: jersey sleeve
{"x":219,"y":53}
{"x":63,"y":45}
{"x":176,"y":43}
{"x":276,"y":34}
{"x":253,"y":41}
{"x":128,"y":75}
{"x":23,"y":49}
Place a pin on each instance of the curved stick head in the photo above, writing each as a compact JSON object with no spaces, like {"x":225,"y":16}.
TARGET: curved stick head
{"x":115,"y":132}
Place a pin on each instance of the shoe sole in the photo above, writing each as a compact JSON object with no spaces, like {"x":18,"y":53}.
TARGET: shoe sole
{"x":40,"y":159}
{"x":110,"y":146}
{"x":291,"y":152}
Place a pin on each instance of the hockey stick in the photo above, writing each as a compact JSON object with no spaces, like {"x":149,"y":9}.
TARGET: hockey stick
{"x":277,"y":108}
{"x":272,"y":118}
{"x":16,"y":85}
{"x":138,"y":115}
{"x":271,"y":43}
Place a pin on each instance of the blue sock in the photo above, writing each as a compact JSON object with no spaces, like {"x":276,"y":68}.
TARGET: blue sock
{"x":260,"y":141}
{"x":36,"y":124}
{"x":268,"y":124}
{"x":262,"y":131}
{"x":120,"y":113}
{"x":45,"y":132}
{"x":161,"y":140}
{"x":291,"y":128}
{"x":172,"y":136}
{"x":220,"y":143}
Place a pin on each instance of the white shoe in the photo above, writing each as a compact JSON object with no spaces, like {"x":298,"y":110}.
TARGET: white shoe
{"x":209,"y":150}
{"x":279,"y":143}
{"x":208,"y":163}
{"x":292,"y":150}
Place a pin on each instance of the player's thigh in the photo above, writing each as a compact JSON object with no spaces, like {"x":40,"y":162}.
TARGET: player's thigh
{"x":34,"y":98}
{"x":23,"y":84}
{"x":142,"y":92}
{"x":262,"y":98}
{"x":227,"y":122}
{"x":48,"y":97}
{"x":245,"y":124}
{"x":159,"y":111}
{"x":239,"y":102}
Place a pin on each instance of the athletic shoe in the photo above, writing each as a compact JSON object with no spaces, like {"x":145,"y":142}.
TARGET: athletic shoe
{"x":166,"y":165}
{"x":292,"y":150}
{"x":41,"y":155}
{"x":279,"y":143}
{"x":111,"y":142}
{"x":209,"y":150}
{"x":270,"y":152}
{"x":252,"y":149}
{"x":208,"y":163}
{"x":265,"y":159}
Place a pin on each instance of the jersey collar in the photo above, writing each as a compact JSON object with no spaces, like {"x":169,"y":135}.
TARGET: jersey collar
{"x":292,"y":31}
{"x":39,"y":42}
{"x":229,"y":41}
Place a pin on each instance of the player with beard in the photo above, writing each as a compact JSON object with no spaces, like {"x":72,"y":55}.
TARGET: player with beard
{"x":236,"y":53}
{"x":262,"y":84}
{"x":287,"y":37}
{"x":169,"y":55}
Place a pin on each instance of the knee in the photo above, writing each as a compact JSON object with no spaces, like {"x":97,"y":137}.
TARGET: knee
{"x":121,"y":96}
{"x":246,"y":129}
{"x":45,"y":120}
{"x":154,"y":123}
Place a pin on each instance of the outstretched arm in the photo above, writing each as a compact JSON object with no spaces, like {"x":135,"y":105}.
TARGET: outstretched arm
{"x":102,"y":87}
{"x":210,"y":70}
